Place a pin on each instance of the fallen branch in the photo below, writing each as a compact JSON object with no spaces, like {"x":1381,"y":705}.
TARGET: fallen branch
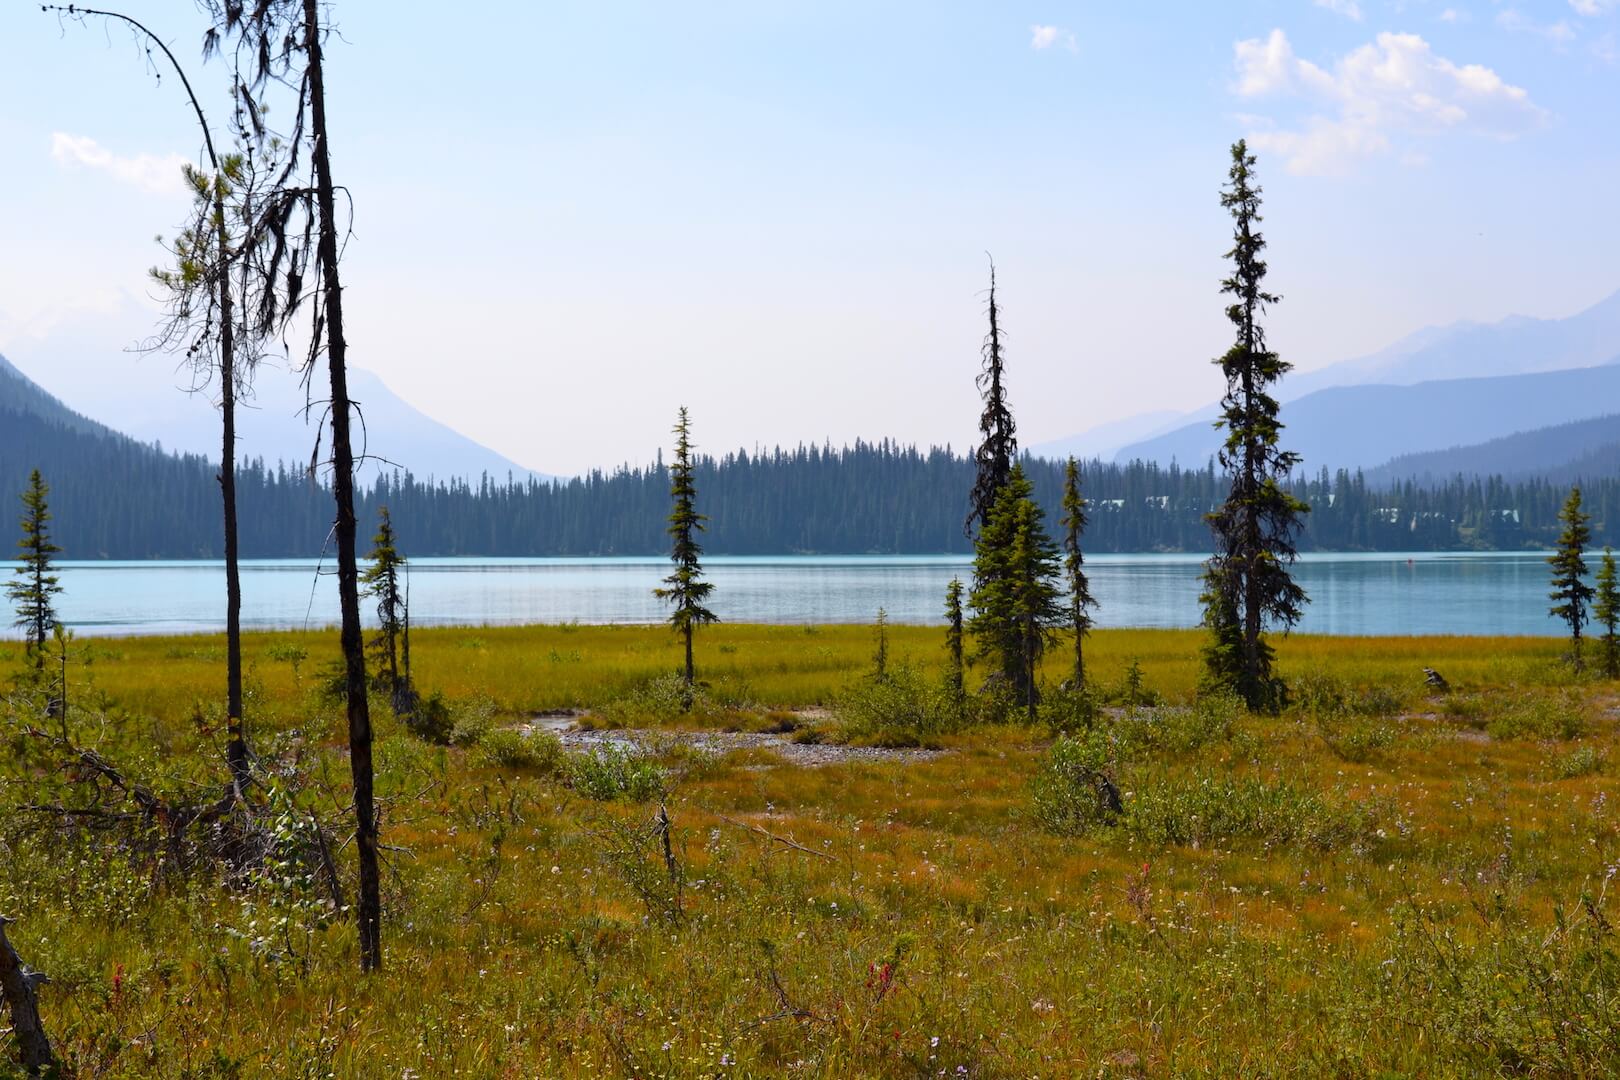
{"x":17,"y":984}
{"x":784,"y":841}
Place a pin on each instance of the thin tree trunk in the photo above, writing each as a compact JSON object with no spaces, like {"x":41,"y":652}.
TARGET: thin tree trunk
{"x":690,"y":671}
{"x":369,"y":909}
{"x":17,"y":985}
{"x":236,"y":752}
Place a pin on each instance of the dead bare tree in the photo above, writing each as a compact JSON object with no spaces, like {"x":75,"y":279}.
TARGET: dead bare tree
{"x":202,"y":324}
{"x":19,"y":985}
{"x":293,"y":233}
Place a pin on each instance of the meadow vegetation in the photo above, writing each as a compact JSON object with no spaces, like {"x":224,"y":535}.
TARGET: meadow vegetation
{"x":1380,"y":880}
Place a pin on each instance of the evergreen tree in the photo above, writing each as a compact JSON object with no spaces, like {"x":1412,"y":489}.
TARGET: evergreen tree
{"x":381,"y":581}
{"x":685,"y":588}
{"x":35,"y":585}
{"x":1017,"y":604}
{"x":1080,"y":598}
{"x":1247,"y":580}
{"x":1569,"y":568}
{"x":1606,"y":613}
{"x":953,"y":641}
{"x":998,"y":442}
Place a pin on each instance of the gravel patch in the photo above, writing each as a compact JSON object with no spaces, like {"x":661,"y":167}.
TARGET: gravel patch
{"x":565,"y":726}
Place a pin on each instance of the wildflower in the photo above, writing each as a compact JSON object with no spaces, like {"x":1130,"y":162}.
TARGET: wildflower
{"x":934,"y":1041}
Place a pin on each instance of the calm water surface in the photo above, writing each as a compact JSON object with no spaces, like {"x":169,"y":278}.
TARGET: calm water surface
{"x":1423,"y":593}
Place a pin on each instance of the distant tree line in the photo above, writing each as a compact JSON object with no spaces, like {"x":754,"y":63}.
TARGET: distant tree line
{"x":114,"y":498}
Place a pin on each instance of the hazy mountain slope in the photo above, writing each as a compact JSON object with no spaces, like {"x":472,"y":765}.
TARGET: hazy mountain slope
{"x":1104,"y":440}
{"x":1513,"y":346}
{"x":20,"y":394}
{"x":1516,"y":345}
{"x":1554,"y":452}
{"x":1364,"y":426}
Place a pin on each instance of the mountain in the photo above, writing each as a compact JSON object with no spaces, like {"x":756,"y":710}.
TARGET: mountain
{"x":1516,"y":345}
{"x":21,"y":395}
{"x":1361,"y":426}
{"x":144,"y":395}
{"x":1583,"y":449}
{"x":1105,"y":440}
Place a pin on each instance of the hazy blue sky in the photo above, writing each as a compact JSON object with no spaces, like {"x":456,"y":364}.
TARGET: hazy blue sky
{"x":572,"y":217}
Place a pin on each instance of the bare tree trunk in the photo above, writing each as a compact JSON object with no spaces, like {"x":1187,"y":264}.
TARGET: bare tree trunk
{"x":369,"y":910}
{"x":17,"y":985}
{"x":690,"y":672}
{"x":236,"y":752}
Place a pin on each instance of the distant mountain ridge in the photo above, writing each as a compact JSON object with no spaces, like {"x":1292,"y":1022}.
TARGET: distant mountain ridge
{"x":1353,"y":427}
{"x":1516,"y":345}
{"x":1581,"y":449}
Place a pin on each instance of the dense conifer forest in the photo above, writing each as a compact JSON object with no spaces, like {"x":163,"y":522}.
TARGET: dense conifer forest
{"x":117,"y":498}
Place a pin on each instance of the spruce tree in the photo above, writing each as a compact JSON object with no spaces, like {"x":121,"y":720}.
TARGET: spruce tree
{"x":1247,"y":583}
{"x":1568,"y":564}
{"x":381,"y":581}
{"x":1080,"y":598}
{"x":1606,"y":613}
{"x":953,"y":641}
{"x":997,"y":451}
{"x":1017,"y":604}
{"x":685,"y":589}
{"x":35,"y":585}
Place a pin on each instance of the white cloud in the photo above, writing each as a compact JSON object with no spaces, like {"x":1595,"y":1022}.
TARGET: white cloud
{"x":1453,"y":15}
{"x":1559,"y":32}
{"x":1395,"y":85}
{"x":1348,"y":8}
{"x":160,"y":175}
{"x":1044,"y":37}
{"x":1590,"y":8}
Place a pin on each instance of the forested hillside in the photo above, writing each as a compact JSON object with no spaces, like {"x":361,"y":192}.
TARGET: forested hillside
{"x":116,"y":498}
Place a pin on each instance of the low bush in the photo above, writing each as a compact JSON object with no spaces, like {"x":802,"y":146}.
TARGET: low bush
{"x":1539,"y":716}
{"x":1322,"y":695}
{"x":1582,"y":761}
{"x":613,"y":771}
{"x":899,"y":709}
{"x":1218,"y":810}
{"x":1072,"y":791}
{"x":508,"y":748}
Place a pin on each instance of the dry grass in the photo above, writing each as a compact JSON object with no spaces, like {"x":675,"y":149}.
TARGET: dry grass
{"x":939,"y":927}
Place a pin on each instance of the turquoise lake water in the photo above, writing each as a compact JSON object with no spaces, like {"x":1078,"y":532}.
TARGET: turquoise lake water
{"x":1422,"y":593}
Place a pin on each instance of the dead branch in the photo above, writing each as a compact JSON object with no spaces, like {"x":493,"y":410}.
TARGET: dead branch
{"x":786,"y":842}
{"x":18,"y":984}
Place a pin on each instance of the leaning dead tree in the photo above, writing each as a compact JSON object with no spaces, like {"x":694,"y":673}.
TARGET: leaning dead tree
{"x":202,"y":326}
{"x":290,"y":250}
{"x":19,"y":986}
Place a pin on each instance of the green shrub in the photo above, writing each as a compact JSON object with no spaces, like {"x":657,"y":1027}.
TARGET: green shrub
{"x":1581,"y":761}
{"x":614,"y":772}
{"x":1519,"y":998}
{"x":1539,"y":716}
{"x":1175,"y":729}
{"x":1220,"y":810}
{"x":1065,"y":711}
{"x":432,"y":719}
{"x":657,"y":701}
{"x":1320,"y":694}
{"x":471,"y":720}
{"x":1071,"y":792}
{"x":509,"y":748}
{"x":900,"y":709}
{"x":1132,"y":690}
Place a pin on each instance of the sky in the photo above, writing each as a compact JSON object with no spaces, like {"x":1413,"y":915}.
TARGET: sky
{"x":573,"y":217}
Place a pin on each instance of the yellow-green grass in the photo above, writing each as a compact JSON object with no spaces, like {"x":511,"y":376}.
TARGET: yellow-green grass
{"x":517,"y":943}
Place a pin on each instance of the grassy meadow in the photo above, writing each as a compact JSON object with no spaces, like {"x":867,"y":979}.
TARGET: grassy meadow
{"x":1382,"y":881}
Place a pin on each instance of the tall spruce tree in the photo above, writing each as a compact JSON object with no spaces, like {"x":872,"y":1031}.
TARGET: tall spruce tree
{"x":1569,"y":588}
{"x":381,"y":581}
{"x":1247,"y":582}
{"x":33,"y":589}
{"x":997,"y":451}
{"x":1606,"y":613}
{"x":954,"y":674}
{"x":1080,"y":598}
{"x":1017,"y":603}
{"x":685,"y":589}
